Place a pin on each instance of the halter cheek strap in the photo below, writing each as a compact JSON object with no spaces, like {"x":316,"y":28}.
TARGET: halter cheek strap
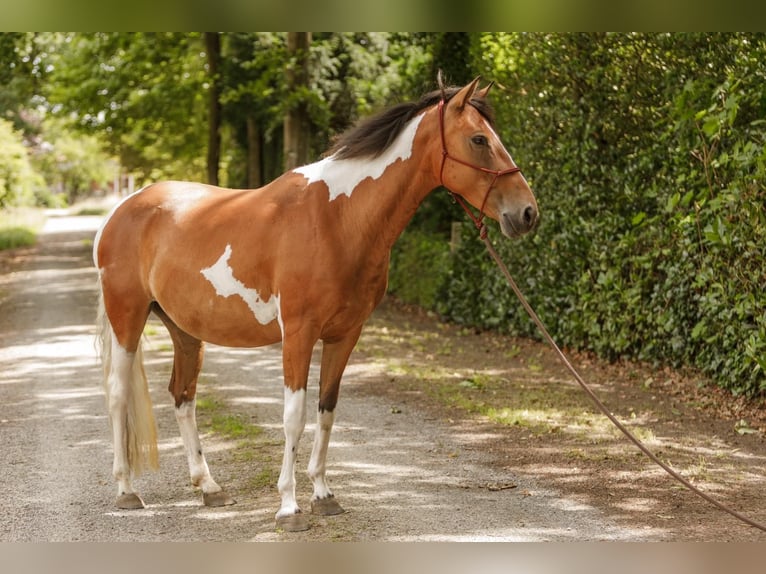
{"x":477,"y":220}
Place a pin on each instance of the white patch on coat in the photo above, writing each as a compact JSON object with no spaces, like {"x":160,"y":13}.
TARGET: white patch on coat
{"x":221,"y":277}
{"x":342,"y":176}
{"x":180,"y":200}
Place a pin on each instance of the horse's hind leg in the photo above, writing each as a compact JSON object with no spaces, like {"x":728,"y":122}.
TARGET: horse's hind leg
{"x":187,"y":362}
{"x":119,"y":381}
{"x":130,"y":409}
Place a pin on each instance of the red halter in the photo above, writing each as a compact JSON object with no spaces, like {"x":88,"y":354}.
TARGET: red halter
{"x":496,"y":172}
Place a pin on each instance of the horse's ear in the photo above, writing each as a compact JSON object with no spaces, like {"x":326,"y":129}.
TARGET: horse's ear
{"x":485,"y":90}
{"x":466,"y":93}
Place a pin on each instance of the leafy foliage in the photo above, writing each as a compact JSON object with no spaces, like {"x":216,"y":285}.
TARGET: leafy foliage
{"x":647,"y":156}
{"x":418,"y":259}
{"x":144,"y":92}
{"x":18,"y":180}
{"x":73,"y":165}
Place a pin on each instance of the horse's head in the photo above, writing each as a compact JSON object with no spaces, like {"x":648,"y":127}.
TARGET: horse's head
{"x":476,"y":166}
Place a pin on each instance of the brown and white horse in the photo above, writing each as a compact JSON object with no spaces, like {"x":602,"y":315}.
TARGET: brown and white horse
{"x":302,"y":259}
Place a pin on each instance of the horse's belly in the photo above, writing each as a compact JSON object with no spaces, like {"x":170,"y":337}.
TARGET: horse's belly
{"x":225,"y":329}
{"x":226,"y":320}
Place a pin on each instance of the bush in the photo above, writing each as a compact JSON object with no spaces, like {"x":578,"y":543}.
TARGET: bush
{"x":18,"y":180}
{"x":419,"y":264}
{"x":646,"y":152}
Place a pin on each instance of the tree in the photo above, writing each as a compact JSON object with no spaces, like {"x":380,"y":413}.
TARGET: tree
{"x":297,"y":126}
{"x":350,"y":75}
{"x":213,"y":50}
{"x":253,"y":79}
{"x":18,"y":180}
{"x":73,"y":164}
{"x":23,"y":71}
{"x":144,"y":92}
{"x":452,"y":55}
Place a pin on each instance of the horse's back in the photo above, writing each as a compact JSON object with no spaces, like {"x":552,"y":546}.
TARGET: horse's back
{"x":178,"y":244}
{"x":155,"y":213}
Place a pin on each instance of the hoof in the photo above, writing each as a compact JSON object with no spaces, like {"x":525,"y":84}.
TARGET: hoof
{"x":220,"y":498}
{"x":297,"y":522}
{"x":129,"y":501}
{"x":326,"y":506}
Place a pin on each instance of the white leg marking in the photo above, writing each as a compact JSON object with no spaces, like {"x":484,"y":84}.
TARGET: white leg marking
{"x":294,"y":423}
{"x":318,"y":462}
{"x":119,"y":387}
{"x":198,"y":469}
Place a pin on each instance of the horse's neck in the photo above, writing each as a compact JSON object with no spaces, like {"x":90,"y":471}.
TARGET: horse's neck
{"x":377,"y":197}
{"x":383,"y":206}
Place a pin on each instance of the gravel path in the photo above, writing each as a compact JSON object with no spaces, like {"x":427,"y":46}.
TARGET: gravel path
{"x":402,"y":475}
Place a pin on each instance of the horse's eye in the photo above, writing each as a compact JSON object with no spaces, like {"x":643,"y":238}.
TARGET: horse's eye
{"x":480,"y":140}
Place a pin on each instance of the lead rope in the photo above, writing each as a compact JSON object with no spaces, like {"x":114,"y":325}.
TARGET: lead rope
{"x":596,"y":400}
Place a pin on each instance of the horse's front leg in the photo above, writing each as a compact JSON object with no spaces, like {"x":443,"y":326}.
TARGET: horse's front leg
{"x":334,"y":358}
{"x":296,"y":359}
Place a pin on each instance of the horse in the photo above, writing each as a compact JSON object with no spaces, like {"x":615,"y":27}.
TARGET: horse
{"x":302,"y":259}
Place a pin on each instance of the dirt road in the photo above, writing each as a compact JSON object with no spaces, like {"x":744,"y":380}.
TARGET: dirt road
{"x":396,"y":470}
{"x":404,"y":472}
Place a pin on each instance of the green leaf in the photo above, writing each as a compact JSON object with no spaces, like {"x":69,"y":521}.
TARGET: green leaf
{"x":672,"y":202}
{"x":698,"y":329}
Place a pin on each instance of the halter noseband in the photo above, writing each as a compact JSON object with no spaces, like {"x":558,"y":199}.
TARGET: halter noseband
{"x":477,"y":220}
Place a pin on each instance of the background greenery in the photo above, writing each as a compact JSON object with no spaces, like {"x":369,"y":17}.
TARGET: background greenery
{"x":646,"y":152}
{"x":647,"y":155}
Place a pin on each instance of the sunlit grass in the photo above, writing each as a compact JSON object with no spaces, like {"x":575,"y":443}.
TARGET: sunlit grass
{"x":253,"y":445}
{"x":87,"y":210}
{"x":218,"y":420}
{"x":539,"y":408}
{"x":13,"y":237}
{"x":19,"y":227}
{"x":518,"y":398}
{"x":151,"y":329}
{"x":234,"y":427}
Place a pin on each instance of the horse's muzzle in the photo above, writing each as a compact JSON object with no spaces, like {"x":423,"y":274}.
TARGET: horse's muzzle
{"x":517,"y":223}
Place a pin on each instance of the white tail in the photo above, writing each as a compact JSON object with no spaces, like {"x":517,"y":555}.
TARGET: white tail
{"x":141,"y":429}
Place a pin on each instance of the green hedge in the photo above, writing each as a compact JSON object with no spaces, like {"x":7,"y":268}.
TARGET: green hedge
{"x":419,"y":264}
{"x":647,"y":156}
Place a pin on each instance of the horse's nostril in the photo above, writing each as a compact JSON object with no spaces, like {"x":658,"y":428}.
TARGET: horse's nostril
{"x":530,"y":216}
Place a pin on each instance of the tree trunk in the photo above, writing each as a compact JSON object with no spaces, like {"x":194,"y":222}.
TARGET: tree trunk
{"x":213,"y":49}
{"x":254,"y":173}
{"x":297,"y":127}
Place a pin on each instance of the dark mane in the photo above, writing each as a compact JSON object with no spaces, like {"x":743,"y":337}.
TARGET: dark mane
{"x":371,"y":136}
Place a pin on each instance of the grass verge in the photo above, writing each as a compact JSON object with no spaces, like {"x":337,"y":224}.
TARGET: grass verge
{"x":252,"y":445}
{"x":19,"y":227}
